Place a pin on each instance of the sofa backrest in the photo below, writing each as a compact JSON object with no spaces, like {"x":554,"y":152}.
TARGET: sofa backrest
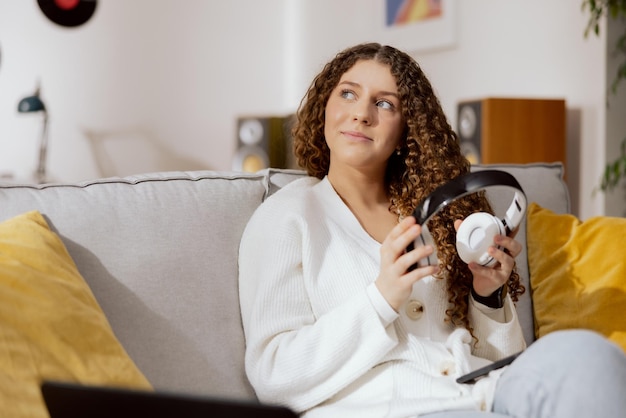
{"x":159,"y":251}
{"x":544,"y":185}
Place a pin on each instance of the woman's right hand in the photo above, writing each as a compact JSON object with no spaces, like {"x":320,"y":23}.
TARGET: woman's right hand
{"x":395,"y":281}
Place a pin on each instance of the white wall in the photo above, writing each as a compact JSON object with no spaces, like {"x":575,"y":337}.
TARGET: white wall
{"x":185,"y":70}
{"x":517,"y":48}
{"x":178,"y":70}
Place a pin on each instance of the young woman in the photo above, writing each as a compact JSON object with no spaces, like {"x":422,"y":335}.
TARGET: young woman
{"x":336,"y":323}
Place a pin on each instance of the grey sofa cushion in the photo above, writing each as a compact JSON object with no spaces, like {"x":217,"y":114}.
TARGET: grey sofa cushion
{"x":160,"y":254}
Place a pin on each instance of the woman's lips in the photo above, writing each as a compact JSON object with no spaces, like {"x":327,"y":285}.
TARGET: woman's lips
{"x":358,"y":136}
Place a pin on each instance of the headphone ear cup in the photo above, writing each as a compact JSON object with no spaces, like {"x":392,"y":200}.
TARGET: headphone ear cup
{"x":475,"y":236}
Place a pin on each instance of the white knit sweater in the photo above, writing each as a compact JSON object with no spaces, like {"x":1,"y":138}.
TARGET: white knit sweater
{"x":322,"y":340}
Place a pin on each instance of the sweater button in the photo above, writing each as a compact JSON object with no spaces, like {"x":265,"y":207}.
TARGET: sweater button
{"x":414,"y":309}
{"x":448,"y":368}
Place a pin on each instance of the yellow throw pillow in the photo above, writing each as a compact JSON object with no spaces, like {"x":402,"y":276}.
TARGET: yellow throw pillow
{"x":577,"y":272}
{"x":51,"y":326}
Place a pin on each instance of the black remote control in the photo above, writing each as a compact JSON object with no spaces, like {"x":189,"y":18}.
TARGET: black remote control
{"x":472,"y":376}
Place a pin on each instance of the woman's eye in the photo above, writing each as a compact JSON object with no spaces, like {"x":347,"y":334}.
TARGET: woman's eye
{"x":385,"y":104}
{"x":347,"y":94}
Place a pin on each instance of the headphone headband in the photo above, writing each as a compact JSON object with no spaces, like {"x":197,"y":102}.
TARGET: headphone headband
{"x":461,"y":186}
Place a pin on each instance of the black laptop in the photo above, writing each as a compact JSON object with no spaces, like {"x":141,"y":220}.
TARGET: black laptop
{"x":71,"y":400}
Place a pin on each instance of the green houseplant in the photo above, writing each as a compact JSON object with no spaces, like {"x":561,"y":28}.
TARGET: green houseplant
{"x":615,"y":170}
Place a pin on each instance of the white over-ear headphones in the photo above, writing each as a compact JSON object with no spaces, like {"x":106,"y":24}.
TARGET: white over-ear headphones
{"x":478,"y":230}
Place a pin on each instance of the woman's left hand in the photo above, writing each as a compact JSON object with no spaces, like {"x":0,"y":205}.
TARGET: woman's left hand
{"x":489,"y":279}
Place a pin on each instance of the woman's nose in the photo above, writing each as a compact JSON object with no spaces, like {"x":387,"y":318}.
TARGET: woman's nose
{"x":362,"y":113}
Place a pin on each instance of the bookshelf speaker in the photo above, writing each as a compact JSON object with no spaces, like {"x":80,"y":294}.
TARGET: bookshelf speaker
{"x":262,"y":142}
{"x":507,"y":130}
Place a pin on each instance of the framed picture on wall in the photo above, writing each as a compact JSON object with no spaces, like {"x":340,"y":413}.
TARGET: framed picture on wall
{"x":417,"y":25}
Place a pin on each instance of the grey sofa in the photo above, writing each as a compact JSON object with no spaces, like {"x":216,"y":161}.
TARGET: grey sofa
{"x":159,"y":251}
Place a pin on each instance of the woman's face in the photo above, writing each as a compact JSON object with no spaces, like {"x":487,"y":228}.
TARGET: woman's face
{"x":363,"y":119}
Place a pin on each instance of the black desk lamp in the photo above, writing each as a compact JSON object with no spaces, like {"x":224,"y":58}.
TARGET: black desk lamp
{"x":34,"y":104}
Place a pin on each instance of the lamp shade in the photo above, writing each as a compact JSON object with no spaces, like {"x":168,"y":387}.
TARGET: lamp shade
{"x":30,"y":104}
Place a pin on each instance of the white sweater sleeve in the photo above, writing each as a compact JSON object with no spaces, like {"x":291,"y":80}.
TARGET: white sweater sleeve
{"x":498,"y":330}
{"x":293,"y":356}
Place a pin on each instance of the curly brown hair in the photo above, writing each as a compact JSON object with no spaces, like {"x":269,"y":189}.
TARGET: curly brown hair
{"x":430,"y":156}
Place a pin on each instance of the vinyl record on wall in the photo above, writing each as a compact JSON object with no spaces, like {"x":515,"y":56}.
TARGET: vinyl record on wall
{"x":68,"y":12}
